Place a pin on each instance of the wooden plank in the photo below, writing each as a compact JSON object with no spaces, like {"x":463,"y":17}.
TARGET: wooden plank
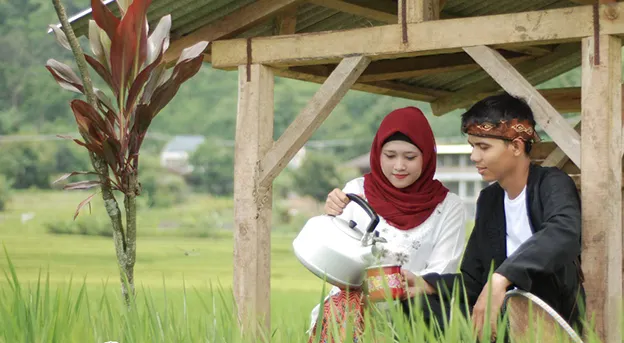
{"x":417,"y":11}
{"x":395,"y":89}
{"x":426,"y":38}
{"x":557,"y":158}
{"x":286,"y":22}
{"x":545,"y":114}
{"x":311,"y":117}
{"x":231,"y":25}
{"x":383,"y":11}
{"x":252,"y":202}
{"x":601,"y":185}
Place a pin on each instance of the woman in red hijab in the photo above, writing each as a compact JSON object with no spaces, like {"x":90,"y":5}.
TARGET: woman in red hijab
{"x":423,"y":223}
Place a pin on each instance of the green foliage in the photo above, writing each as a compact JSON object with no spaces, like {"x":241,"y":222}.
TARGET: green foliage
{"x":38,"y":164}
{"x":28,"y":165}
{"x":213,"y":168}
{"x":163,"y":189}
{"x":86,"y":225}
{"x":317,"y":176}
{"x":159,"y":187}
{"x":5,"y":192}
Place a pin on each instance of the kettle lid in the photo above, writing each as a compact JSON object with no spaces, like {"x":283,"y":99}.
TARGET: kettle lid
{"x":348,"y":227}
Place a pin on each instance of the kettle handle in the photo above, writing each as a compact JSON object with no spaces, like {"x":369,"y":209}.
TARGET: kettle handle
{"x":369,"y":210}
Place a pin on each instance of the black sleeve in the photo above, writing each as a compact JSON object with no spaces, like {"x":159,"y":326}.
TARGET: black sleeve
{"x":559,"y":239}
{"x":472,"y":270}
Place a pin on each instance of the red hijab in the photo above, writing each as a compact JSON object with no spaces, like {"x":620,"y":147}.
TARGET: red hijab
{"x":408,"y":207}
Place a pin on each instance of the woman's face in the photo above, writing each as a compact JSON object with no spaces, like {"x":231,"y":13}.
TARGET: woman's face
{"x":401,"y":163}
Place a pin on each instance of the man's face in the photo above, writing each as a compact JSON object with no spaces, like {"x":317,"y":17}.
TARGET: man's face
{"x":494,"y":158}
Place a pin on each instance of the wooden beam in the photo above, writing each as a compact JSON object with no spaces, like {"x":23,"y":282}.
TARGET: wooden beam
{"x":231,"y":25}
{"x":410,"y":67}
{"x":601,"y":184}
{"x":286,"y":22}
{"x":386,"y":11}
{"x":318,"y":74}
{"x":252,"y":202}
{"x":558,"y":158}
{"x":417,"y":11}
{"x":514,"y":83}
{"x":311,"y":117}
{"x":383,"y":42}
{"x":383,"y":11}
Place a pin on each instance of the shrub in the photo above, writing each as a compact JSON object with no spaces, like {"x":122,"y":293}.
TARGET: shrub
{"x":86,"y":225}
{"x":159,"y":187}
{"x":162,"y":189}
{"x":5,"y":192}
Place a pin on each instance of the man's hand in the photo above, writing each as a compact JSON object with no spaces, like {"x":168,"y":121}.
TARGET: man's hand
{"x":415,"y":285}
{"x":499,"y":286}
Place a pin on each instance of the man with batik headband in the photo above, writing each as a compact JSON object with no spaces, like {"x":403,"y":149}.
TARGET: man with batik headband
{"x":528,"y":221}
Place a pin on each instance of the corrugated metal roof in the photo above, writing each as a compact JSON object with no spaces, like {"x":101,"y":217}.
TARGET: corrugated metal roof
{"x":189,"y":15}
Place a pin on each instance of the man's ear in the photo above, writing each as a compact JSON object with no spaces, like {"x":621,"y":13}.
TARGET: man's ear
{"x":518,"y":146}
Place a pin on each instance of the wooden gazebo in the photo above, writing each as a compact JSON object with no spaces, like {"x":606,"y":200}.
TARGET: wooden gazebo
{"x":448,"y":53}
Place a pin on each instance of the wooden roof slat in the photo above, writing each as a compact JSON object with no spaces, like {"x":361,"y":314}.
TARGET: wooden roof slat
{"x":380,"y":10}
{"x":426,"y":65}
{"x":318,"y":74}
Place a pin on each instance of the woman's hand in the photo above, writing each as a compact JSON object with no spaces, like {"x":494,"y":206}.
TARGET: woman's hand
{"x":416,"y":285}
{"x":336,"y":201}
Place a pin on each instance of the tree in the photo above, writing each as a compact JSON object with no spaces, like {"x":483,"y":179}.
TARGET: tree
{"x":317,"y":176}
{"x":213,"y":168}
{"x":27,"y":165}
{"x":131,"y":65}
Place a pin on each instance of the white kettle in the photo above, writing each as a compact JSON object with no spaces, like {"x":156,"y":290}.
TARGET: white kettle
{"x":335,"y":250}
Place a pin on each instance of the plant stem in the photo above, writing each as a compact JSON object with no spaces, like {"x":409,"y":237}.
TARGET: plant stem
{"x":130,"y":205}
{"x":112,"y":207}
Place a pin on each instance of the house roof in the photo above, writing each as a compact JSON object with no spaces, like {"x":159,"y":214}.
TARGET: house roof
{"x":537,"y":65}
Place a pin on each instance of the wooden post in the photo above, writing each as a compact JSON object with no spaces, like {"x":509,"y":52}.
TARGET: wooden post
{"x":417,"y":11}
{"x":601,"y":184}
{"x":286,"y":23}
{"x":252,"y":204}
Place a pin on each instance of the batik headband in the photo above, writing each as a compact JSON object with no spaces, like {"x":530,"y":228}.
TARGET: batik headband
{"x":505,"y":129}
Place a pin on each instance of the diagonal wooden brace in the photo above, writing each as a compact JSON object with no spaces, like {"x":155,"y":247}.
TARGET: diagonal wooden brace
{"x":545,"y":114}
{"x":311,"y":117}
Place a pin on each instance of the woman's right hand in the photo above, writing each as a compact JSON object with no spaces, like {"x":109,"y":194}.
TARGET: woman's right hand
{"x":336,"y":201}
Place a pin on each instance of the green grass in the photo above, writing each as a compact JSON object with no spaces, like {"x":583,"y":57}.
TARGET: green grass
{"x":165,"y":262}
{"x":65,"y":288}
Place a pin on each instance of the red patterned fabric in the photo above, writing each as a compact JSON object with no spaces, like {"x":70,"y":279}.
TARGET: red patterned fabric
{"x":342,"y":308}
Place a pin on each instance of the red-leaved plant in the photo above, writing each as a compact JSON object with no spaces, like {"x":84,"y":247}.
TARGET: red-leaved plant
{"x":130,"y":61}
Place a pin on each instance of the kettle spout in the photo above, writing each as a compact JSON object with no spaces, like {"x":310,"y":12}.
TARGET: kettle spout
{"x":371,"y":253}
